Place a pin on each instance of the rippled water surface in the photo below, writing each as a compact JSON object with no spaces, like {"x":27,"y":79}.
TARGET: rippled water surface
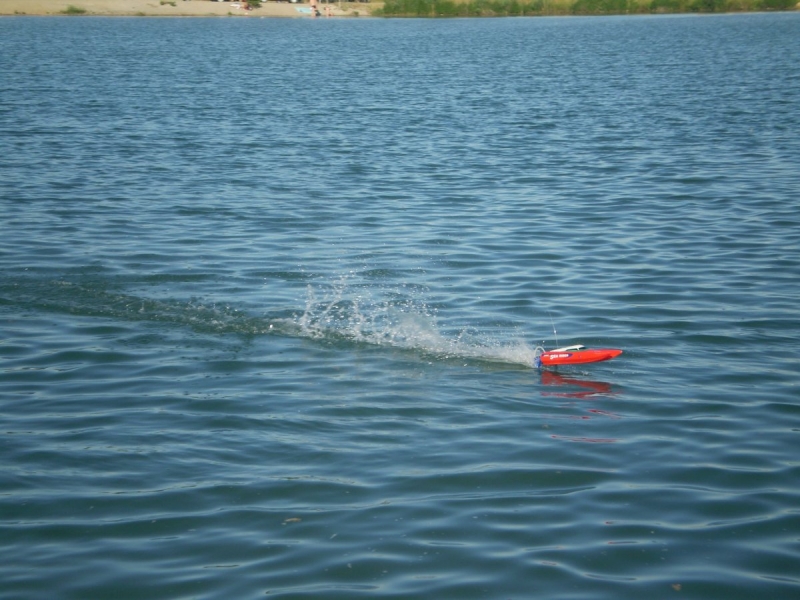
{"x":270,"y":292}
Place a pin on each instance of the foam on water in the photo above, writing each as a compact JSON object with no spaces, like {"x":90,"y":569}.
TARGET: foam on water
{"x":360,"y":314}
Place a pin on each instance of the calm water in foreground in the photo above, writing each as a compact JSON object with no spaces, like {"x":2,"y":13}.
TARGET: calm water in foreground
{"x":270,"y":291}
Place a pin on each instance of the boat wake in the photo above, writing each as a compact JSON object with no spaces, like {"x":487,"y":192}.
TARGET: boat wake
{"x":342,"y":312}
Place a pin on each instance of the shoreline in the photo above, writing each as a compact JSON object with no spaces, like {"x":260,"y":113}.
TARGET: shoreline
{"x":301,"y":9}
{"x":176,"y":8}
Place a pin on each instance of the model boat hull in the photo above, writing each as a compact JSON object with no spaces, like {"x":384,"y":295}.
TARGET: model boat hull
{"x":581,"y":356}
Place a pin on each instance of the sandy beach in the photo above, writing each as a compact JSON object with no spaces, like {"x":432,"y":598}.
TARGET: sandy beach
{"x":178,"y":8}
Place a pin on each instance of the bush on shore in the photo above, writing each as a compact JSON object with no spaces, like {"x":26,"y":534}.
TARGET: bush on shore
{"x":508,"y":8}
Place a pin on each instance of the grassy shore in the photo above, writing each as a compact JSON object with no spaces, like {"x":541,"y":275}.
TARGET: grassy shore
{"x":501,"y":8}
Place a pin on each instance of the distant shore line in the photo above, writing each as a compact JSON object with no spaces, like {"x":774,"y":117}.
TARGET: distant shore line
{"x":184,"y":8}
{"x":389,"y":8}
{"x":532,"y":8}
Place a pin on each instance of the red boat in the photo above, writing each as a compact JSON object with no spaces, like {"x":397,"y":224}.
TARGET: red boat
{"x":574,"y":355}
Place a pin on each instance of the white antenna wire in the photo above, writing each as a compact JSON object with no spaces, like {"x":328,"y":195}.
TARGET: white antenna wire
{"x":553,"y":323}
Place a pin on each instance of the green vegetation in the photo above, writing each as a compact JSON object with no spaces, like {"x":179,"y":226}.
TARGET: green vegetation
{"x":73,"y":10}
{"x":254,"y":3}
{"x":514,"y":8}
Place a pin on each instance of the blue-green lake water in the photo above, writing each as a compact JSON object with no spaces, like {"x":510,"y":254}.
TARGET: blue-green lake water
{"x":270,"y":292}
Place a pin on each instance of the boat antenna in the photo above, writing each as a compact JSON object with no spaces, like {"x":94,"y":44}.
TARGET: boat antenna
{"x":553,"y":323}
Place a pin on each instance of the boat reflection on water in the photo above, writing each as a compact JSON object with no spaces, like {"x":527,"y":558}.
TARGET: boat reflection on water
{"x":585,"y":388}
{"x":580,"y":389}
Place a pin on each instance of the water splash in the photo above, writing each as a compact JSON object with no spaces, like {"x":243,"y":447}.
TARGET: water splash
{"x":360,"y":314}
